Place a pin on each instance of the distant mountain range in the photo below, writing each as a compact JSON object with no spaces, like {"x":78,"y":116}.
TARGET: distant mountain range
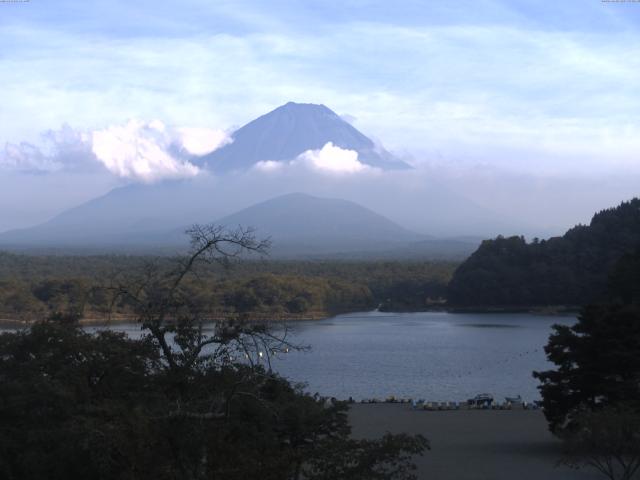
{"x":299,"y":225}
{"x":126,"y":215}
{"x":290,"y":130}
{"x":138,"y":217}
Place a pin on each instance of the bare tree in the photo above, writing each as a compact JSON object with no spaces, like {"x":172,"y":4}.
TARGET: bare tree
{"x":182,"y":330}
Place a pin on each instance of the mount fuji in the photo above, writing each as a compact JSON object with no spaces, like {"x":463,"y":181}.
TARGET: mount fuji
{"x":290,"y":130}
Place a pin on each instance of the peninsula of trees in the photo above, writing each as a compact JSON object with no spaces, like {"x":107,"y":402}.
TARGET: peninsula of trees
{"x":568,"y":270}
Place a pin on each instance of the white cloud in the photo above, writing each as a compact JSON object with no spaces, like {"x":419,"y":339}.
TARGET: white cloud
{"x":200,"y":141}
{"x":269,"y":166}
{"x":57,"y":150}
{"x":140,"y":151}
{"x":24,"y":156}
{"x":331,"y":158}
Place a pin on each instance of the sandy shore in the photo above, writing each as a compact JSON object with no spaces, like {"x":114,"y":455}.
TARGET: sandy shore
{"x":473,"y":444}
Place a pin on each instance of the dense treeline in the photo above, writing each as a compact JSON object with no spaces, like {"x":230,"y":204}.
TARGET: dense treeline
{"x":567,"y":270}
{"x":33,"y":287}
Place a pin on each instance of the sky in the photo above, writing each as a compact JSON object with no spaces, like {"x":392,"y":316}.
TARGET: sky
{"x":522,"y":89}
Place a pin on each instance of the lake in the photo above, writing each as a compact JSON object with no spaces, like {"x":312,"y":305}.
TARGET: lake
{"x":433,"y":355}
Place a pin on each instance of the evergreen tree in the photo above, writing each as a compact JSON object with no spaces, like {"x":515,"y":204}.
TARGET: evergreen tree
{"x":598,"y":358}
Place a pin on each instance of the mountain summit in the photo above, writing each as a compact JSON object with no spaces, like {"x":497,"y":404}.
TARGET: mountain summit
{"x":292,"y":129}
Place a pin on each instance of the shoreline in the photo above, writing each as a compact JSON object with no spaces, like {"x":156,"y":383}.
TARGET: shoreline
{"x":553,"y":310}
{"x":534,"y":309}
{"x":124,"y":319}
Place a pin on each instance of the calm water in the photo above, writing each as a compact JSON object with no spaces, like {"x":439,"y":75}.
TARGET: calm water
{"x":437,"y":356}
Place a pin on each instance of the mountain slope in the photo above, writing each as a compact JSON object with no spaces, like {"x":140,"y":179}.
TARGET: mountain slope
{"x":290,"y":130}
{"x":299,"y":224}
{"x":134,"y":214}
{"x":302,"y":224}
{"x":568,"y":270}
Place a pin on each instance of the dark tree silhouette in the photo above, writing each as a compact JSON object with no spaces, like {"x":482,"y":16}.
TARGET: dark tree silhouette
{"x":598,"y":364}
{"x":607,"y":440}
{"x":592,"y":398}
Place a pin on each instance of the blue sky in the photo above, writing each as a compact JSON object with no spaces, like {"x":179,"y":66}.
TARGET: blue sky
{"x":525,"y":85}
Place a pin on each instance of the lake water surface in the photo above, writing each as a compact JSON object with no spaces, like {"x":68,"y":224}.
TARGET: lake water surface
{"x":433,"y":355}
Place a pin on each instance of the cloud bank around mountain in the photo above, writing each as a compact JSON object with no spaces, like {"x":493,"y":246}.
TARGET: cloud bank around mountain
{"x":137,"y":150}
{"x":150,"y":151}
{"x":57,"y":150}
{"x":200,"y":140}
{"x":330,"y":159}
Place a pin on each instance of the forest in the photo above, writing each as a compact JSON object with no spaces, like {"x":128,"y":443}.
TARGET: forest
{"x":34,"y":287}
{"x":569,"y":270}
